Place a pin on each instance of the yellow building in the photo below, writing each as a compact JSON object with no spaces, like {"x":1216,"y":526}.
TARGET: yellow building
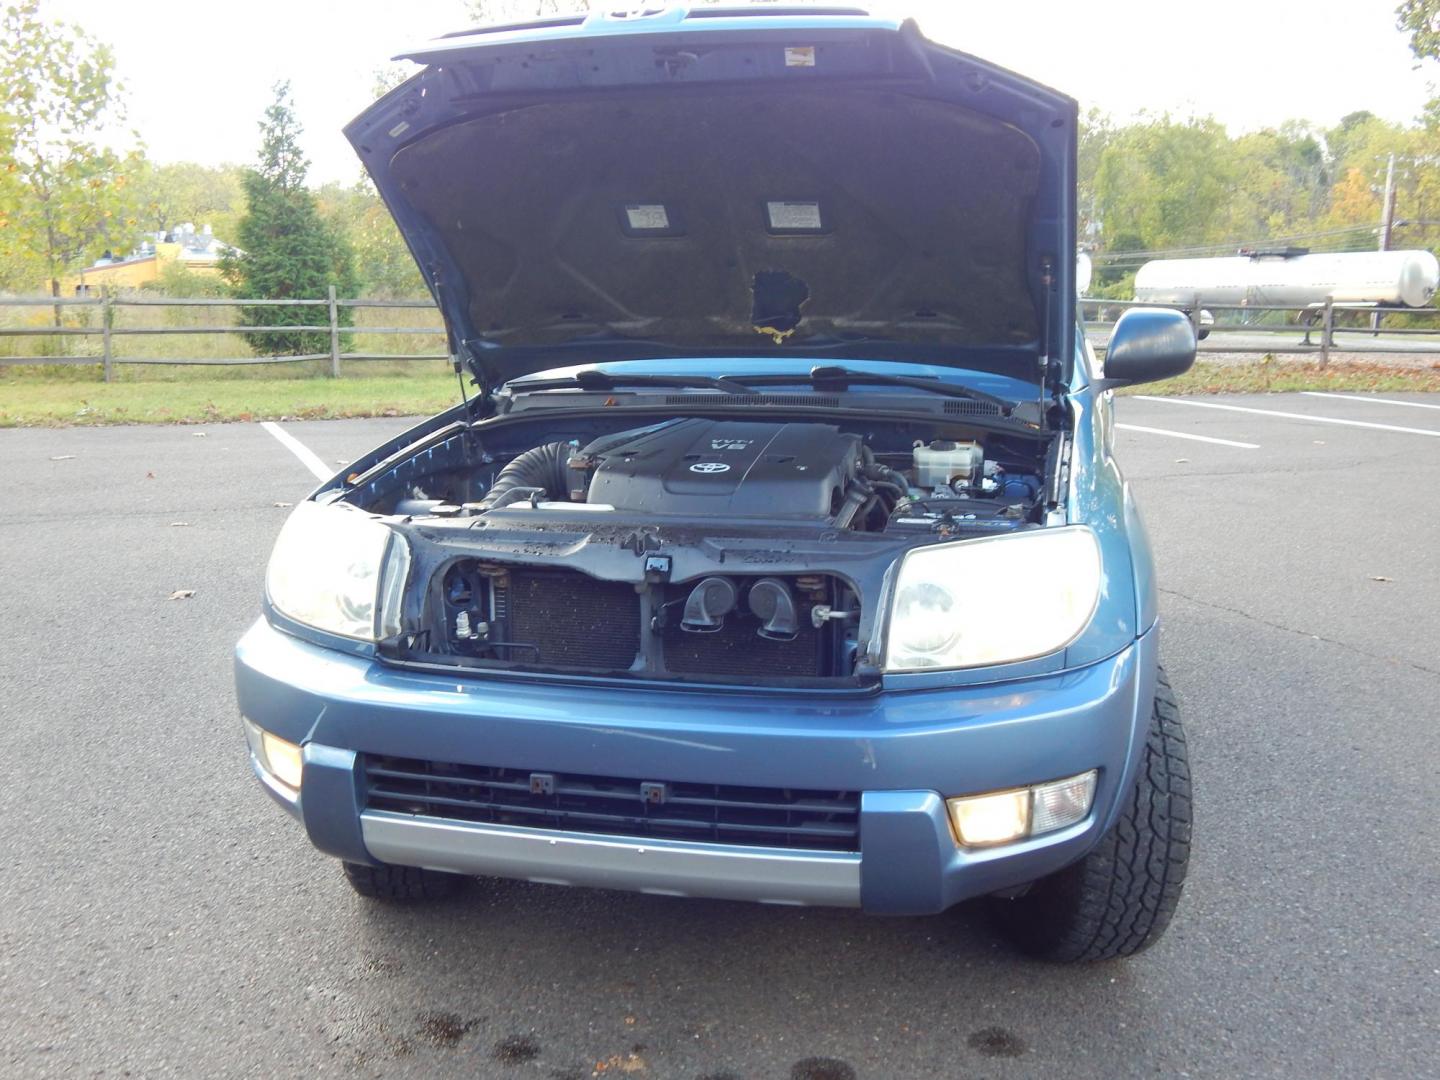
{"x":200,"y":253}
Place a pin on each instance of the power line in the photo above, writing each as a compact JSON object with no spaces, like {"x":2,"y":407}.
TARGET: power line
{"x":1229,"y":247}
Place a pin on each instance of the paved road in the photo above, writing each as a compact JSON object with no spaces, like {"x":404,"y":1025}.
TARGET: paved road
{"x":159,"y":917}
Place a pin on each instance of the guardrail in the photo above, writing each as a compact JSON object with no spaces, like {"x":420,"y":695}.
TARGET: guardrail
{"x":1316,"y":322}
{"x":1322,"y":335}
{"x":108,"y":332}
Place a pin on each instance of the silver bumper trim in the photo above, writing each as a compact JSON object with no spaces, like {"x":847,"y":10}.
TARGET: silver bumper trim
{"x":665,"y":867}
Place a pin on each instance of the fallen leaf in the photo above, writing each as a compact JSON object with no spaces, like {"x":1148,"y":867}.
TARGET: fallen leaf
{"x":149,"y":476}
{"x":182,"y":594}
{"x":62,"y":457}
{"x":629,"y":1021}
{"x":1380,"y":577}
{"x":283,"y":504}
{"x":179,"y":524}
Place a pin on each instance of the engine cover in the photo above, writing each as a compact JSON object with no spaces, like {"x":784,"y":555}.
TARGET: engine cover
{"x":723,"y":469}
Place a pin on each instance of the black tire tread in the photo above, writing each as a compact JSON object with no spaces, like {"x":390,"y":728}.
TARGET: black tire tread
{"x":1118,"y":900}
{"x":406,"y":883}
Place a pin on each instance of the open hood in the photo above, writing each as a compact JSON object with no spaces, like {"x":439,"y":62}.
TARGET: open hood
{"x":736,"y":182}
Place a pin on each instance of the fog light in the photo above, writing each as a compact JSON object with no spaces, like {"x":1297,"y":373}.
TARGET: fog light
{"x":1002,"y":817}
{"x":281,"y":759}
{"x":1061,"y":803}
{"x":982,"y":820}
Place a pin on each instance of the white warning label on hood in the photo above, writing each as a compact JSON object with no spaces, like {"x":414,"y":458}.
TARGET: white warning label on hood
{"x":790,"y":216}
{"x":643,"y":216}
{"x":800,"y":56}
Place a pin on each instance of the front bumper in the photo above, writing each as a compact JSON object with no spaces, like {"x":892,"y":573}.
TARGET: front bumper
{"x":905,"y":751}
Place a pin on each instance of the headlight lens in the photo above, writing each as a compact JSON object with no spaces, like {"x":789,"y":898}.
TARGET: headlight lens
{"x":327,"y":567}
{"x":992,"y":601}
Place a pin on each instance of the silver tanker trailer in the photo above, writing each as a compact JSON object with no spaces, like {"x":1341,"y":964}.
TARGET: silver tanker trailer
{"x":1291,"y":278}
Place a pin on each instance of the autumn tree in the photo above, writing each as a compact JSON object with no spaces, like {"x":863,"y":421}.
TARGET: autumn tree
{"x":12,"y":262}
{"x":288,"y":252}
{"x":66,"y":199}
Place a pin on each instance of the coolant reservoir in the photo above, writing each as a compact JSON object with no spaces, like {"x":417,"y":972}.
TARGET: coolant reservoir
{"x":942,"y":463}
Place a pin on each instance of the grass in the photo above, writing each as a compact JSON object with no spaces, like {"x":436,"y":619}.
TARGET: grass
{"x":32,"y":397}
{"x":1271,"y":376}
{"x":47,"y":403}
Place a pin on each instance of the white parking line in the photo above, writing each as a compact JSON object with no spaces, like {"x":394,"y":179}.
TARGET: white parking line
{"x":307,"y":457}
{"x":1187,"y":435}
{"x":1289,"y":415}
{"x":1372,"y":400}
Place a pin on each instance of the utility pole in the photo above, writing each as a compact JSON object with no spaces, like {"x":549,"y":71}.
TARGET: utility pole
{"x":1387,"y":226}
{"x":1387,"y":206}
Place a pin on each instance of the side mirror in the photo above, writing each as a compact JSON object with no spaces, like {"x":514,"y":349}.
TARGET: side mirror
{"x":1148,"y":344}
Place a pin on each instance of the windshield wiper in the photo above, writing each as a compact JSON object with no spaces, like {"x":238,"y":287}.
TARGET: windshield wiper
{"x":595,"y":379}
{"x":830,"y":375}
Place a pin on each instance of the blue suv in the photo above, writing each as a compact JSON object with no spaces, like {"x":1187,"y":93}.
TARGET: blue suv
{"x":776,"y":550}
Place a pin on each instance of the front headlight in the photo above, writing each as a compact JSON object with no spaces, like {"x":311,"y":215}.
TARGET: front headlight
{"x":992,"y":601}
{"x":327,"y":568}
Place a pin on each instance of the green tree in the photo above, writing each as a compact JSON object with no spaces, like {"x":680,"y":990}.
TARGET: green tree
{"x":1168,"y":183}
{"x":1282,"y":182}
{"x":168,"y":195}
{"x":384,"y":265}
{"x":287,"y":250}
{"x":1096,"y":131}
{"x":66,"y":197}
{"x":1421,"y":20}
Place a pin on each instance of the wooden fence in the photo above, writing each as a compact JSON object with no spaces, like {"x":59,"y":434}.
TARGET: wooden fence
{"x":1322,"y":334}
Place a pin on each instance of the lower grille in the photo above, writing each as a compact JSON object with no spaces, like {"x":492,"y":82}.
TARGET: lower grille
{"x":713,"y":813}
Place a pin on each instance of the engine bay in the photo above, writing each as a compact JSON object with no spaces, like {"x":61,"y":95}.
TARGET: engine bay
{"x":694,"y":548}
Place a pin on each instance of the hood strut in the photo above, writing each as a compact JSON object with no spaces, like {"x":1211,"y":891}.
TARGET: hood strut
{"x":1049,"y":368}
{"x":460,"y":357}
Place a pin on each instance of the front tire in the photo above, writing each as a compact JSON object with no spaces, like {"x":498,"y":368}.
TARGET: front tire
{"x":405,"y":883}
{"x":1119,"y":899}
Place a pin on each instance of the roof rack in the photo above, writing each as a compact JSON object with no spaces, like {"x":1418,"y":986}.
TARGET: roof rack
{"x":529,"y":24}
{"x":719,"y":11}
{"x":730,"y":11}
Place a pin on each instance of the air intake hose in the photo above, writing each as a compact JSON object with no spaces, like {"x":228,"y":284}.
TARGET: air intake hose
{"x":545,"y":467}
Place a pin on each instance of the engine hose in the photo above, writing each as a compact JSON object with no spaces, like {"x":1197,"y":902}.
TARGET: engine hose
{"x":546,"y":466}
{"x":886,"y":473}
{"x":857,"y":495}
{"x":895,"y":489}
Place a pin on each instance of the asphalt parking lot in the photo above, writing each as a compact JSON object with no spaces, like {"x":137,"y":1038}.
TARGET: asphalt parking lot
{"x":159,"y":916}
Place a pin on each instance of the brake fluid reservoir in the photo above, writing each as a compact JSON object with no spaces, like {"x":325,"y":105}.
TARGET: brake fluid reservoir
{"x":941,"y":463}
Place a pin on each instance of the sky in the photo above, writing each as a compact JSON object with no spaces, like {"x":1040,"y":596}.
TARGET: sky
{"x":199,"y":73}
